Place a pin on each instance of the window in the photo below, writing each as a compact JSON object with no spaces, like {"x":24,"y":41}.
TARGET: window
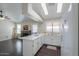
{"x":49,"y":27}
{"x":18,"y":28}
{"x":56,"y":27}
{"x":53,"y":27}
{"x":34,"y":28}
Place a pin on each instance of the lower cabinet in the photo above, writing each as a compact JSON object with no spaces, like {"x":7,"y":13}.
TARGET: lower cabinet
{"x":31,"y":47}
{"x":35,"y":47}
{"x":55,"y":42}
{"x":52,"y":40}
{"x":28,"y":48}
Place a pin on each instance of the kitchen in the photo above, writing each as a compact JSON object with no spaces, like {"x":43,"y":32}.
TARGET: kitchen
{"x":44,"y":29}
{"x":38,"y":37}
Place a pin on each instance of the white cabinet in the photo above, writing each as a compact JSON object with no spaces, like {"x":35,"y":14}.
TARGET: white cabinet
{"x":55,"y":42}
{"x":43,"y":40}
{"x":47,"y":40}
{"x":35,"y":47}
{"x":32,"y":44}
{"x":30,"y":47}
{"x":51,"y":40}
{"x":27,"y":47}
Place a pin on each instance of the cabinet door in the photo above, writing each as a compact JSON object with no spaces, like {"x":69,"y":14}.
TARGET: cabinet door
{"x":47,"y":40}
{"x":55,"y":41}
{"x":38,"y":43}
{"x":42,"y":40}
{"x":35,"y":48}
{"x":27,"y":48}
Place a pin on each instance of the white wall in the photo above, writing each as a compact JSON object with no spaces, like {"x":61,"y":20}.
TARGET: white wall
{"x":70,"y":38}
{"x":6,"y":29}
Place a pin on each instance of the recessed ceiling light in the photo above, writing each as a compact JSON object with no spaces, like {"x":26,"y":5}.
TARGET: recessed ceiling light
{"x":70,"y":7}
{"x":44,"y":8}
{"x":59,"y":7}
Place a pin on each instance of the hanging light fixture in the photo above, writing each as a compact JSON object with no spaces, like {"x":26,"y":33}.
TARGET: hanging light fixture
{"x":1,"y":16}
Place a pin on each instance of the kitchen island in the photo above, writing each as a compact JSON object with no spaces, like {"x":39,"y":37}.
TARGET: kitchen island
{"x":31,"y":44}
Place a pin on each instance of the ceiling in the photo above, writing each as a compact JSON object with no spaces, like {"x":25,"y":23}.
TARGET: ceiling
{"x":19,"y":11}
{"x":52,"y":10}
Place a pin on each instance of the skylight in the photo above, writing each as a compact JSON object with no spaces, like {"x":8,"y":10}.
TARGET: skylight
{"x":44,"y":8}
{"x":59,"y":7}
{"x":33,"y":14}
{"x":70,"y":7}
